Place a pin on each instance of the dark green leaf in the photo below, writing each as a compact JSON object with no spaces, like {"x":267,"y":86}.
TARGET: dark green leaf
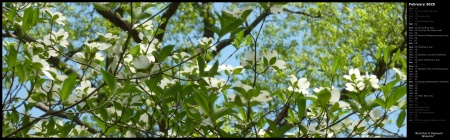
{"x":27,"y":20}
{"x":272,"y":126}
{"x":324,"y":96}
{"x":246,"y":13}
{"x":264,"y":5}
{"x":213,"y":70}
{"x":153,"y":82}
{"x":381,"y":102}
{"x":201,"y":65}
{"x":237,"y":31}
{"x":232,"y":26}
{"x":103,"y":112}
{"x":15,"y":116}
{"x":220,"y":112}
{"x":101,"y":123}
{"x":143,"y":15}
{"x":67,"y":87}
{"x":51,"y":125}
{"x":238,"y":101}
{"x":159,"y":31}
{"x":399,"y":93}
{"x":301,"y":106}
{"x":11,"y":15}
{"x":203,"y":101}
{"x":100,"y":7}
{"x":12,"y":56}
{"x":284,"y":129}
{"x":110,"y":80}
{"x":401,"y":118}
{"x":174,"y":89}
{"x":35,"y":18}
{"x":165,"y":52}
{"x":215,"y":29}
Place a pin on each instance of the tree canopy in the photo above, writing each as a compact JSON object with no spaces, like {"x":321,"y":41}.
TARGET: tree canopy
{"x":202,"y":69}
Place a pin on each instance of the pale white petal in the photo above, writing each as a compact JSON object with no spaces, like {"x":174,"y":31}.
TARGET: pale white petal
{"x":335,"y":95}
{"x":400,"y":73}
{"x":303,"y":83}
{"x":349,"y":87}
{"x":206,"y":122}
{"x":99,"y":56}
{"x":104,"y":46}
{"x":129,"y":134}
{"x":280,"y":64}
{"x":276,"y":9}
{"x":46,"y":73}
{"x":142,"y":62}
{"x":231,"y":97}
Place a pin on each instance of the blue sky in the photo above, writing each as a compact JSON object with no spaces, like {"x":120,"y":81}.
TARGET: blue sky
{"x":231,"y":61}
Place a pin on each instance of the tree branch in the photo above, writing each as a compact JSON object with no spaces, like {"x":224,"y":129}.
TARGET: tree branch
{"x":247,"y":31}
{"x":167,"y":15}
{"x":124,"y":25}
{"x":63,"y":115}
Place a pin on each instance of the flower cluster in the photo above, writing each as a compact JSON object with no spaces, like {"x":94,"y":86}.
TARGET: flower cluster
{"x":359,"y":82}
{"x":270,"y":58}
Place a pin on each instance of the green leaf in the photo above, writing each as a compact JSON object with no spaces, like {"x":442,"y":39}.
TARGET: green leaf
{"x":11,"y":15}
{"x":380,"y":102}
{"x":101,"y":123}
{"x":215,"y":29}
{"x":51,"y":125}
{"x":159,"y":31}
{"x":238,"y":100}
{"x":246,"y":13}
{"x":35,"y":18}
{"x":398,"y":93}
{"x":284,"y":129}
{"x":272,"y":126}
{"x":127,"y":113}
{"x":336,"y":64}
{"x":148,"y":5}
{"x":174,"y":89}
{"x":110,"y":80}
{"x":165,"y":52}
{"x":153,"y":82}
{"x":232,"y":26}
{"x":143,"y":15}
{"x":112,"y":128}
{"x":27,"y":20}
{"x":334,"y":107}
{"x":103,"y":112}
{"x":401,"y":118}
{"x":301,"y":106}
{"x":324,"y":96}
{"x":236,"y":31}
{"x":220,"y":112}
{"x":100,"y":7}
{"x":213,"y":70}
{"x":238,"y":39}
{"x":15,"y":116}
{"x":237,"y":70}
{"x":202,"y":101}
{"x":201,"y":65}
{"x":386,"y":55}
{"x":12,"y":56}
{"x":21,"y":72}
{"x":67,"y":87}
{"x":264,"y":5}
{"x":67,"y":128}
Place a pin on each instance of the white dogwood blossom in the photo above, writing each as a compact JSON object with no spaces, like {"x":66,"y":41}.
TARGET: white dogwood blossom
{"x":358,"y":82}
{"x":300,"y":85}
{"x":263,"y":97}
